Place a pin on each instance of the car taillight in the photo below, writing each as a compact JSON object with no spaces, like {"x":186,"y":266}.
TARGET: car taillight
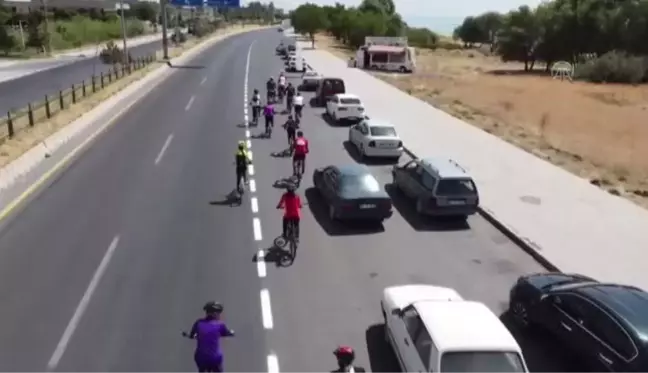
{"x":400,"y":144}
{"x":372,"y":144}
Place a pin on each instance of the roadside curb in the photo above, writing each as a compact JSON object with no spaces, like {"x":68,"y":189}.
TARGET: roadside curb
{"x":525,"y":244}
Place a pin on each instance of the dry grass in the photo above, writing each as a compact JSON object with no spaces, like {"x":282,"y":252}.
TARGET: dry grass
{"x":27,"y":137}
{"x":599,"y":132}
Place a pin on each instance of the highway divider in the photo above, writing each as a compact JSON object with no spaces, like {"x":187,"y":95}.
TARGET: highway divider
{"x":38,"y":111}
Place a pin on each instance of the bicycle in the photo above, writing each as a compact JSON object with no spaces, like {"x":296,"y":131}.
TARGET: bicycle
{"x":292,"y":241}
{"x":297,"y":171}
{"x":255,"y":114}
{"x":268,"y":130}
{"x":298,"y":114}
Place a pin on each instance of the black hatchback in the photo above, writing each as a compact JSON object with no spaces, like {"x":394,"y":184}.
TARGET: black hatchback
{"x":327,"y":88}
{"x":604,"y":324}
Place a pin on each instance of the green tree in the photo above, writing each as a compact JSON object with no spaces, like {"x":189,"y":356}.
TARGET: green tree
{"x":7,"y":41}
{"x":469,"y":32}
{"x":145,"y":11}
{"x":520,"y":37}
{"x":309,"y":19}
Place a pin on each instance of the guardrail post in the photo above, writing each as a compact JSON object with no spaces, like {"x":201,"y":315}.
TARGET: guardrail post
{"x":94,"y":84}
{"x":83,"y":88}
{"x":102,"y":80}
{"x":110,"y":74}
{"x":48,"y":112}
{"x":123,"y":68}
{"x":73,"y":94}
{"x":61,"y":102}
{"x":10,"y":127}
{"x":30,"y":114}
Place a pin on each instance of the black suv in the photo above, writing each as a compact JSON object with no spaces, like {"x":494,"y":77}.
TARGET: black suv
{"x":605,"y":324}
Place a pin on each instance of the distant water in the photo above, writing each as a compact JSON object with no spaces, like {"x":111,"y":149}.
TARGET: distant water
{"x":440,"y":25}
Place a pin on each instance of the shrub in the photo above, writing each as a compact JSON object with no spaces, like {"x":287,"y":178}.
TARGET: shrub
{"x":81,"y":30}
{"x":112,"y":54}
{"x":178,"y":36}
{"x":422,"y":38}
{"x":202,"y":27}
{"x":614,"y":67}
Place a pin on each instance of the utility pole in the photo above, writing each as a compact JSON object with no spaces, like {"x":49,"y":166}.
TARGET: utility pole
{"x":47,"y":32}
{"x":165,"y":40}
{"x":124,"y":36}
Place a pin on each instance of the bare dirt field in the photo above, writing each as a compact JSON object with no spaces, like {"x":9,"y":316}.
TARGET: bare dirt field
{"x":599,"y":132}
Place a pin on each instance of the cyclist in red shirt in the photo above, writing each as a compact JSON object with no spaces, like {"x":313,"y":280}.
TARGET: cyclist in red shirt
{"x":291,"y":203}
{"x":301,"y":149}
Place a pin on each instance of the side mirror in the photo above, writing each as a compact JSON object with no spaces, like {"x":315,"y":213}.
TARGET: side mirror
{"x":366,"y":117}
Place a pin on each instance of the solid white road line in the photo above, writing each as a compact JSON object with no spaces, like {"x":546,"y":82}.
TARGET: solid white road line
{"x":266,"y":309}
{"x":164,"y":148}
{"x":252,"y":186}
{"x":80,"y":310}
{"x":273,"y":364}
{"x":191,"y":100}
{"x":255,"y":204}
{"x":203,"y":81}
{"x":261,"y":265}
{"x":256,"y":225}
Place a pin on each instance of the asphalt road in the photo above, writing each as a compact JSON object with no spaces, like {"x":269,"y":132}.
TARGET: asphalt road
{"x":120,"y":252}
{"x":16,"y":94}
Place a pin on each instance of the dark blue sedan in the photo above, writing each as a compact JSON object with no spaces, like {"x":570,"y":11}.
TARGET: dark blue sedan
{"x":352,"y":193}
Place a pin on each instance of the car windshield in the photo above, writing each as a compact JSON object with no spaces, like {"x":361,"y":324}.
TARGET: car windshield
{"x":382,"y":131}
{"x":481,"y":361}
{"x":350,"y":101}
{"x":455,"y":187}
{"x":357,"y":183}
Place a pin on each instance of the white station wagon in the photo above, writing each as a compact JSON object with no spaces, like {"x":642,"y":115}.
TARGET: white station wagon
{"x":345,"y":106}
{"x":433,"y":329}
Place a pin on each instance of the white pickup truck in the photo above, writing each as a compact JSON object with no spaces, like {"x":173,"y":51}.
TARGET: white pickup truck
{"x":433,"y":329}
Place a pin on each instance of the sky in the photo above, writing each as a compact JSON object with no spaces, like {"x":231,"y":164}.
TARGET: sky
{"x":440,"y":16}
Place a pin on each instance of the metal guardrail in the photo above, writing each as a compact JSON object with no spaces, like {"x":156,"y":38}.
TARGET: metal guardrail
{"x":18,"y":120}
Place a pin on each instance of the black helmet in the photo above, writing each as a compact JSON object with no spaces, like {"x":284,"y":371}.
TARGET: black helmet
{"x":300,"y":133}
{"x":256,"y":91}
{"x":345,"y":355}
{"x":213,"y":307}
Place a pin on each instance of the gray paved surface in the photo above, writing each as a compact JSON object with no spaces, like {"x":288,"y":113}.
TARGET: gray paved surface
{"x":59,"y":74}
{"x":178,"y":246}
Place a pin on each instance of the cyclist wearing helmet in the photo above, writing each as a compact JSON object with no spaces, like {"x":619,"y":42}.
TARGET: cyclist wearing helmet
{"x":291,"y":128}
{"x":271,"y":88}
{"x":256,"y":106}
{"x":291,"y":203}
{"x":208,"y":331}
{"x":300,"y":146}
{"x":282,"y":85}
{"x":242,"y":159}
{"x":345,"y":357}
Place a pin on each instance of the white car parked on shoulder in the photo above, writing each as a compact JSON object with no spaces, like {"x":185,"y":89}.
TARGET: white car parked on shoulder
{"x":344,"y":106}
{"x":433,"y":329}
{"x":375,"y":138}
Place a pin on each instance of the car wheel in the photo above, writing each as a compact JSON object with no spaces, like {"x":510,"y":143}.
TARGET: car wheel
{"x":332,"y":213}
{"x":519,"y":313}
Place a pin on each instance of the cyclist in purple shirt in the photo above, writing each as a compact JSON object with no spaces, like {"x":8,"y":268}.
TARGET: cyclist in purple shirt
{"x":208,"y":331}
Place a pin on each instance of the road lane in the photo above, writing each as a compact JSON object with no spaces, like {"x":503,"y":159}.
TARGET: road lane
{"x":175,"y":251}
{"x":331,"y":293}
{"x":16,"y":94}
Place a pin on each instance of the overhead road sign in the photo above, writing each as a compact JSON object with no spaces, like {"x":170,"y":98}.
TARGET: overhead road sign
{"x":224,"y":4}
{"x":195,"y":3}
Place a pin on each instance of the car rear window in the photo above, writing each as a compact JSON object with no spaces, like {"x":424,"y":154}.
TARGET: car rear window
{"x":364,"y":183}
{"x":333,"y":86}
{"x":456,"y":187}
{"x":481,"y":361}
{"x":350,"y":101}
{"x":382,"y":131}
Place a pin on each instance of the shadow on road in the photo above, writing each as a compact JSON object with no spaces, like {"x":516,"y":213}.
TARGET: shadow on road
{"x":320,"y":210}
{"x":280,"y":257}
{"x":195,"y":67}
{"x":407,"y":209}
{"x":381,"y":355}
{"x":232,"y":199}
